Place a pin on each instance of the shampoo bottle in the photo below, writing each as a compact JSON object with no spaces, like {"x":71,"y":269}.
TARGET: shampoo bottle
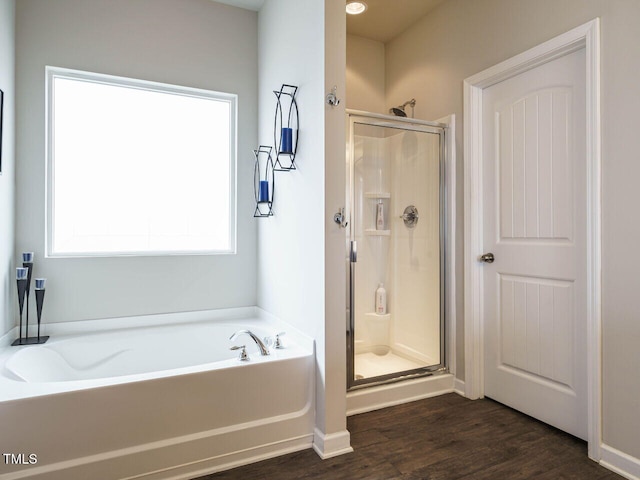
{"x":380,"y":216}
{"x":381,"y":300}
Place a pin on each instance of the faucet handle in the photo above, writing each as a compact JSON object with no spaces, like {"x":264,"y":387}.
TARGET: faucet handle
{"x":275,"y":343}
{"x":278,"y":343}
{"x":244,"y":357}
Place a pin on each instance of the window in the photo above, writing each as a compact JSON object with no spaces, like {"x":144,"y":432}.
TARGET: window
{"x":137,"y":167}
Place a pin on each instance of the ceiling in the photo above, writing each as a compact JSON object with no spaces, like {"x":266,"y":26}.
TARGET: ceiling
{"x":385,"y":19}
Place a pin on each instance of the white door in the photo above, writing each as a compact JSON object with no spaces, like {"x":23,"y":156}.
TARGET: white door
{"x":534,"y":174}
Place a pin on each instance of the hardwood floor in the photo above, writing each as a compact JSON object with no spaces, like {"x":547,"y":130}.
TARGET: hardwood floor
{"x":441,"y":438}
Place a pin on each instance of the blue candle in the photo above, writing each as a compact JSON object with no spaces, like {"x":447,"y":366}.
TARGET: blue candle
{"x":27,"y":257}
{"x":40,"y":282}
{"x":21,"y":273}
{"x":263,"y":194}
{"x":286,"y":140}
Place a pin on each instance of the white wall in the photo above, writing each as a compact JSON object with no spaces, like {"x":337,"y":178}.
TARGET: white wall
{"x":8,"y":305}
{"x":291,"y":243}
{"x":463,"y":37}
{"x":291,"y":246}
{"x":365,"y":74}
{"x":184,"y":42}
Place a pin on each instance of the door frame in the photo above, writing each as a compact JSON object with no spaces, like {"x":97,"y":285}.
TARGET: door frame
{"x":585,"y":36}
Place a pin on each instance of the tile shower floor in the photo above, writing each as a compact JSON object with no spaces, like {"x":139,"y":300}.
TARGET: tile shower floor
{"x":369,"y":364}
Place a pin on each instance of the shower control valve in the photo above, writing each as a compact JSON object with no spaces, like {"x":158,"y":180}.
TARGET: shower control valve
{"x":410,"y":216}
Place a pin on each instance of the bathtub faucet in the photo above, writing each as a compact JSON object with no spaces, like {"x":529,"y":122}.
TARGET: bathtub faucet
{"x":263,"y":349}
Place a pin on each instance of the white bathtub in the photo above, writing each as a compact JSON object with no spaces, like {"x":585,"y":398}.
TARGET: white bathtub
{"x":154,"y":397}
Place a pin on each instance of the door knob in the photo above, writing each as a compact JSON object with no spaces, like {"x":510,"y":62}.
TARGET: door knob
{"x":487,"y":258}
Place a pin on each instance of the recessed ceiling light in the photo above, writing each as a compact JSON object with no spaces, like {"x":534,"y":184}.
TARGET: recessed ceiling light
{"x":355,"y":8}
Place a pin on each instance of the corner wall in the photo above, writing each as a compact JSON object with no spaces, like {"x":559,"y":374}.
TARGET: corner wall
{"x":332,"y":418}
{"x":196,"y":43}
{"x":291,"y":242}
{"x":8,"y":304}
{"x":294,"y":244}
{"x":463,"y":37}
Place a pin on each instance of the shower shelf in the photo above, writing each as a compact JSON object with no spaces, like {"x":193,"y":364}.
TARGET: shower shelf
{"x":377,"y":233}
{"x":378,"y":316}
{"x":377,"y":195}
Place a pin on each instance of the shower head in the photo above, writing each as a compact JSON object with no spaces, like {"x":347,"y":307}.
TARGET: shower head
{"x":399,"y":111}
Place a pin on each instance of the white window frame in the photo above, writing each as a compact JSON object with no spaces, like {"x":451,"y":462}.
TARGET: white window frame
{"x":232,"y":99}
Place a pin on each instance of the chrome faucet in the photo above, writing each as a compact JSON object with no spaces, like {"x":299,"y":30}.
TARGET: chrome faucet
{"x":263,"y":349}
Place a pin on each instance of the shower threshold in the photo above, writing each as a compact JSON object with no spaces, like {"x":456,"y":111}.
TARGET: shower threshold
{"x":368,"y":365}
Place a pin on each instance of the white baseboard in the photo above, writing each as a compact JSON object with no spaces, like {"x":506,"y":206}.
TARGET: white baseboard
{"x":375,"y":398}
{"x":458,"y":387}
{"x":620,"y":462}
{"x":331,"y":445}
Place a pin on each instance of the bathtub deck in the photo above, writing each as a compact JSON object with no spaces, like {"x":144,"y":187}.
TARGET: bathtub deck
{"x":446,"y":437}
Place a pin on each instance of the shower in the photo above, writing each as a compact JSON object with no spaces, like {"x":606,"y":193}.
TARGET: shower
{"x":395,"y":243}
{"x":399,"y":111}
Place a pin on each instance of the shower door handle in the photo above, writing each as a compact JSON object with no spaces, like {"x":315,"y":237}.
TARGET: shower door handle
{"x":353,"y":254}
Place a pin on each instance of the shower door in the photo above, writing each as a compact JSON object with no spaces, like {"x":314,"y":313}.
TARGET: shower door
{"x":395,"y":245}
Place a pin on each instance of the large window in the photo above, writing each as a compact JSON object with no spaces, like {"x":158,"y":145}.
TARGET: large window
{"x":137,"y":167}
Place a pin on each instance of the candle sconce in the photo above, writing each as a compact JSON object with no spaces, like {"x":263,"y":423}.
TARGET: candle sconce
{"x":285,"y":133}
{"x":263,"y":179}
{"x":23,"y":281}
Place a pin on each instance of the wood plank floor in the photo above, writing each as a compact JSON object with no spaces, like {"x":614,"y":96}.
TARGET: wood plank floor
{"x":441,"y":438}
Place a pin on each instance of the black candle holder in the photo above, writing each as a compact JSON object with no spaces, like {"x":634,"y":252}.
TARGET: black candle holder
{"x":39,"y":304}
{"x":286,"y":135}
{"x":263,"y":182}
{"x":27,"y":264}
{"x":23,"y":282}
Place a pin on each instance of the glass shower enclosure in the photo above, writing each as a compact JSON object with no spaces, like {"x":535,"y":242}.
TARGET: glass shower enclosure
{"x":395,"y":248}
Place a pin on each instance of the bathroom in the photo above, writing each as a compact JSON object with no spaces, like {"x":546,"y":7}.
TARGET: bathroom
{"x":291,"y":265}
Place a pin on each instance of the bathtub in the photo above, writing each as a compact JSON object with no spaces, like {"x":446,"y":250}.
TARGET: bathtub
{"x":154,"y":397}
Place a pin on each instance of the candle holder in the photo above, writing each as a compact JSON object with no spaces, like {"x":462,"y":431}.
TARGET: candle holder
{"x":285,"y":134}
{"x":27,"y":262}
{"x":263,"y":180}
{"x":23,"y":281}
{"x":40,"y":283}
